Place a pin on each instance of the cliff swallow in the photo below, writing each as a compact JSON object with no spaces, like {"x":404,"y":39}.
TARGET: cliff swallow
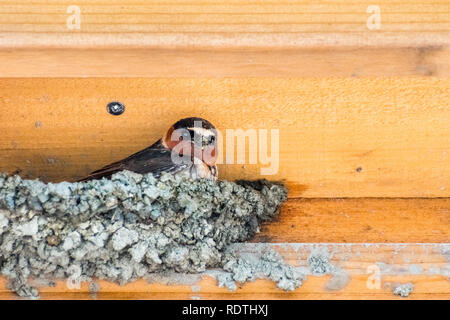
{"x":188,"y":147}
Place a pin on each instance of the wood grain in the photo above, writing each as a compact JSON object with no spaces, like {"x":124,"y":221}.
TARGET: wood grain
{"x":337,"y":137}
{"x":223,"y":24}
{"x":424,"y":265}
{"x":361,"y":113}
{"x":353,"y":62}
{"x":360,"y":220}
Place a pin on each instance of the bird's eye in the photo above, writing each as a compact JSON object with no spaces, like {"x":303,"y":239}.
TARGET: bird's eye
{"x":211,"y":139}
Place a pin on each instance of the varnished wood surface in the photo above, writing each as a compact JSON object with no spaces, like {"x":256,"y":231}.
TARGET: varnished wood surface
{"x":320,"y":61}
{"x":237,"y":23}
{"x":360,"y":220}
{"x":337,"y":137}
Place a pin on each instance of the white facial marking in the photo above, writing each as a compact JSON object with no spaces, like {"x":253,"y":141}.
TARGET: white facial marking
{"x":202,"y":131}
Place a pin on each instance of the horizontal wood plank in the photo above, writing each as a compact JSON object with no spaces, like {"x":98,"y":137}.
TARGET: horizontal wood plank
{"x":223,"y":24}
{"x":360,"y":220}
{"x":354,"y":62}
{"x":337,"y":137}
{"x":424,"y":265}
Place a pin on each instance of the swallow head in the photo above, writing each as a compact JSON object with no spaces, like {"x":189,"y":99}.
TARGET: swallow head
{"x":195,"y":137}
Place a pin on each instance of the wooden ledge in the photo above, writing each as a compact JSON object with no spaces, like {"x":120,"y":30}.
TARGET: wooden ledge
{"x":383,"y":137}
{"x":424,"y":265}
{"x":235,"y":24}
{"x":319,"y":61}
{"x":360,"y":220}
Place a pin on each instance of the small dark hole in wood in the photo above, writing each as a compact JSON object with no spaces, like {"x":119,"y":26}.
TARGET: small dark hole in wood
{"x":115,"y":108}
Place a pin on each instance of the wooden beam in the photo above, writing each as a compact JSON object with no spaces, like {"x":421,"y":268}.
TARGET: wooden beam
{"x":218,"y":24}
{"x":337,"y":137}
{"x":353,"y":62}
{"x":424,"y":265}
{"x":360,"y":220}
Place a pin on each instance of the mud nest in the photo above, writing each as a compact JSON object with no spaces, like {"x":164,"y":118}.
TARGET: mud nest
{"x":127,"y":227}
